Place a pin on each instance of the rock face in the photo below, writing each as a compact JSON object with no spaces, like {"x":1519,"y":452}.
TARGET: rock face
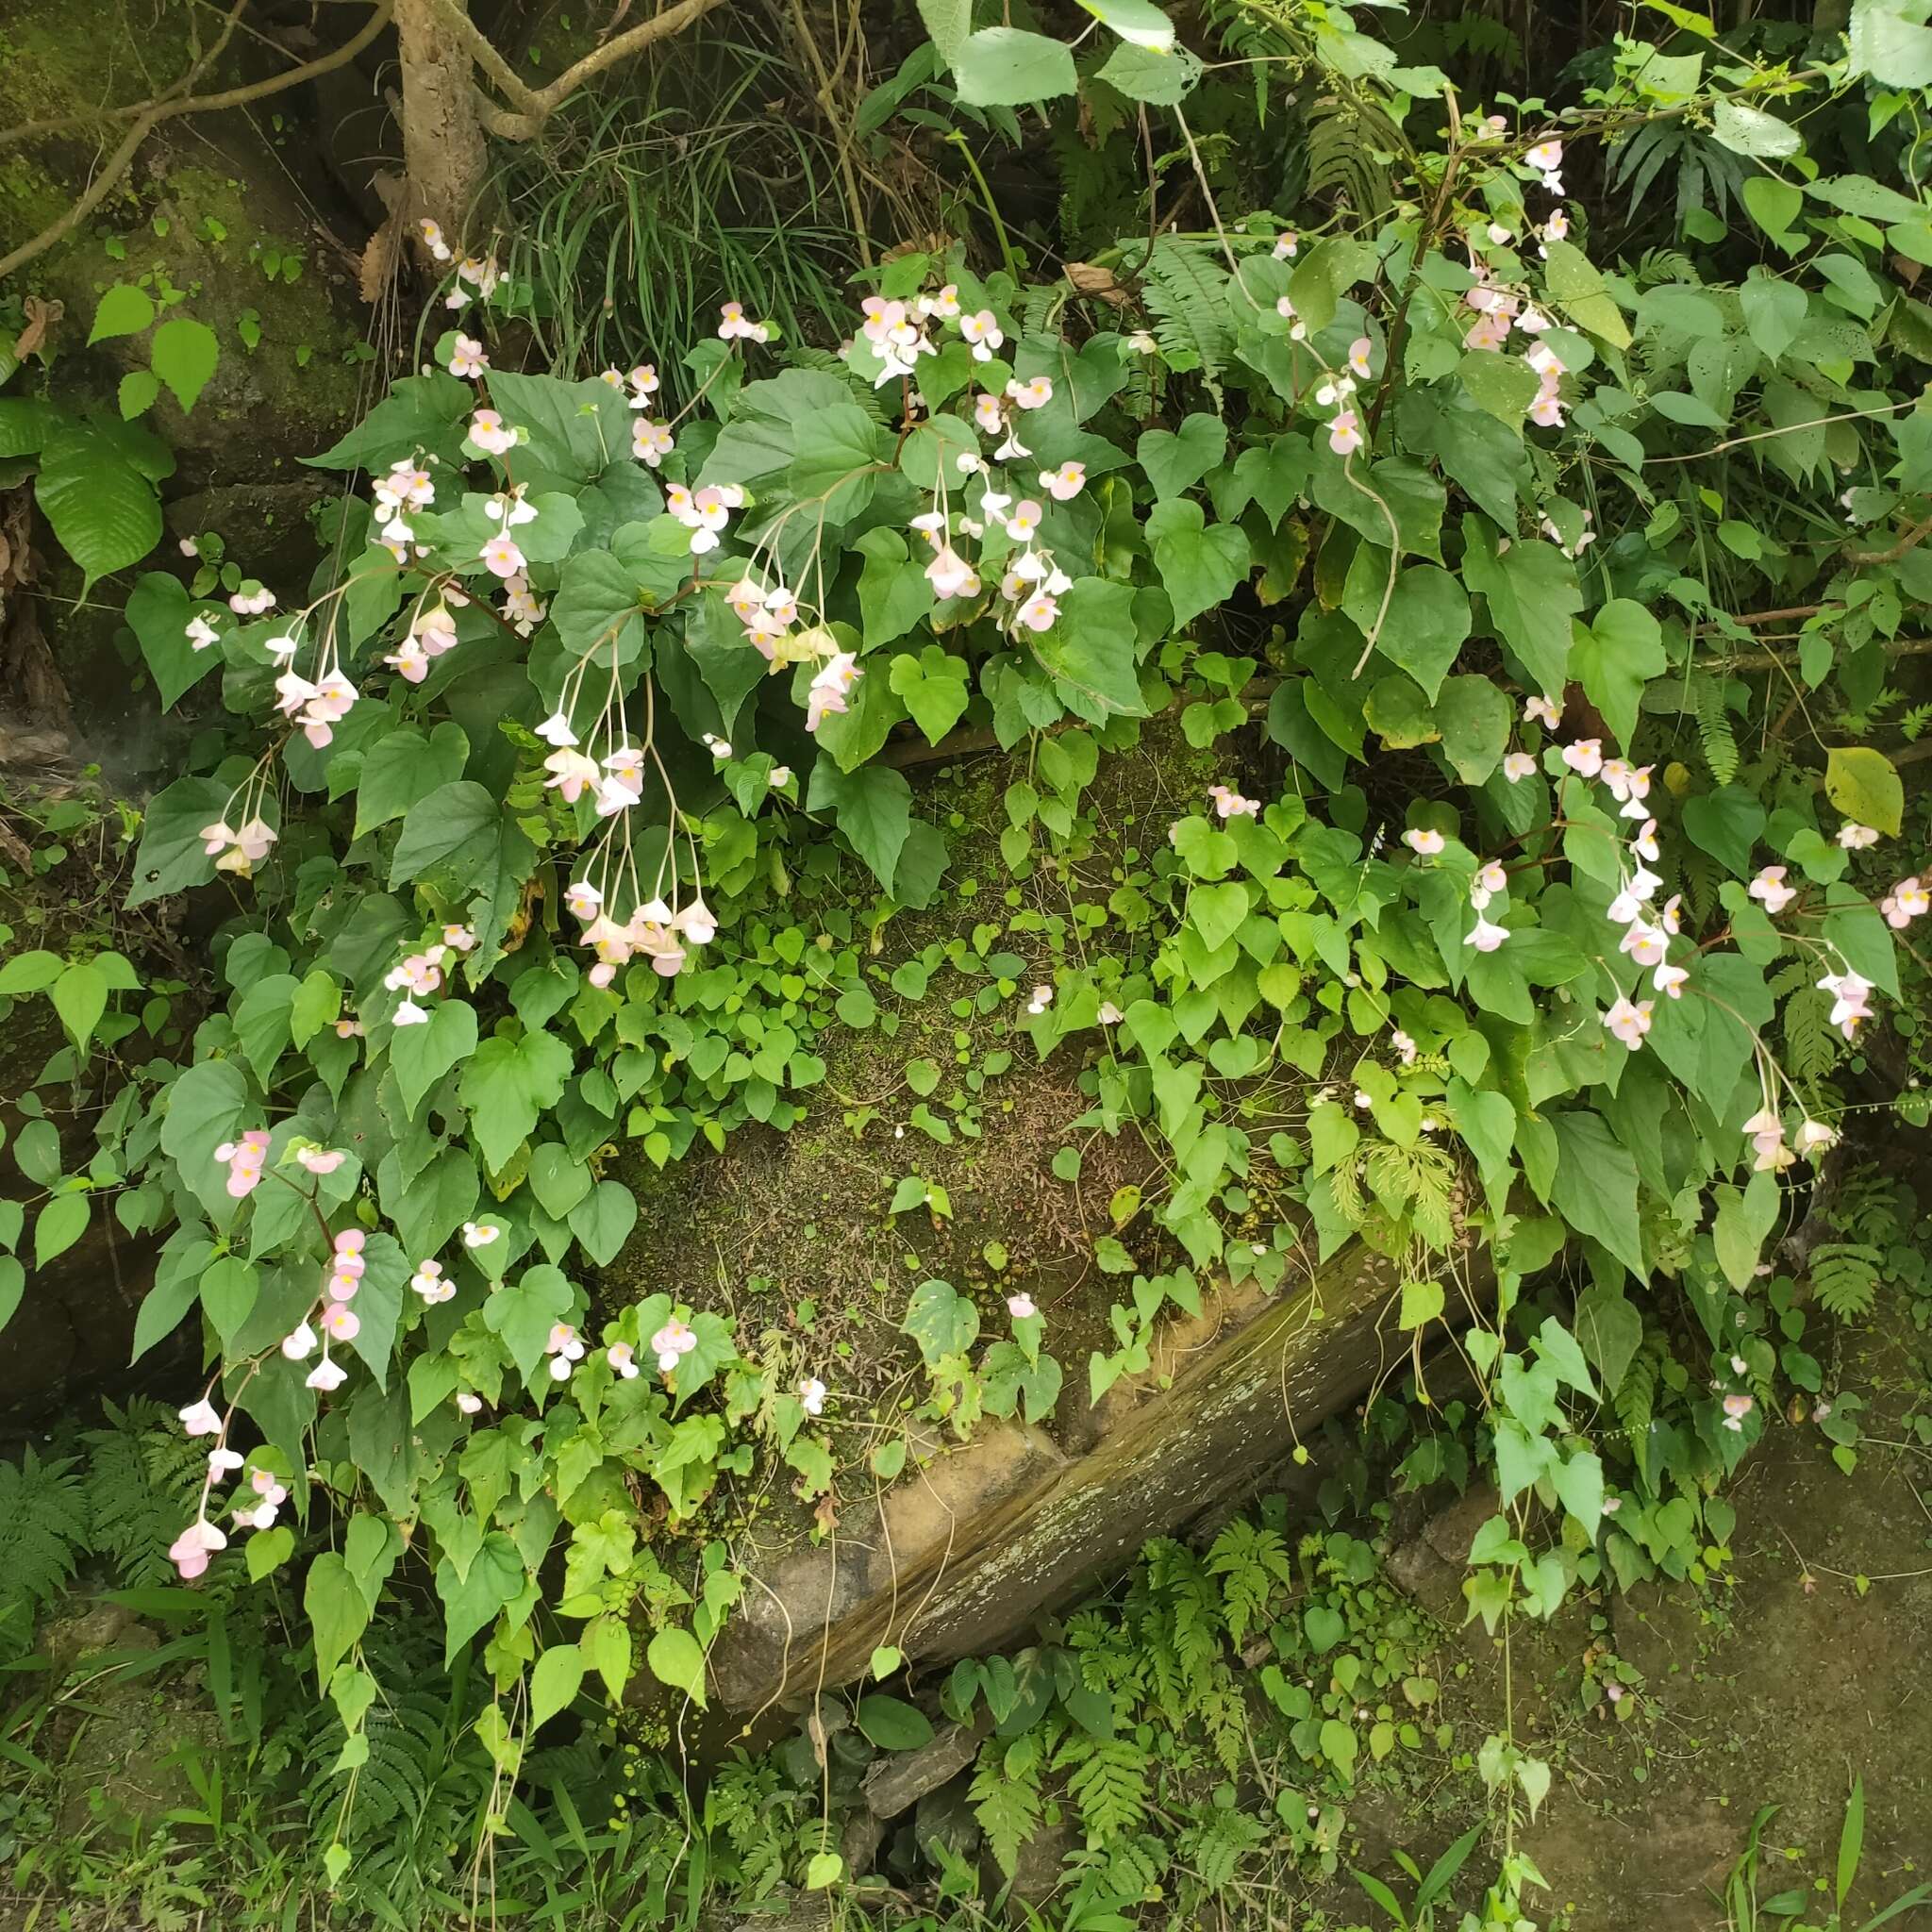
{"x":960,"y":1558}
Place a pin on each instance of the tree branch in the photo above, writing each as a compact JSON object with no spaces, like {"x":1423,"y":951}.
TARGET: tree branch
{"x":146,"y":117}
{"x":535,"y":105}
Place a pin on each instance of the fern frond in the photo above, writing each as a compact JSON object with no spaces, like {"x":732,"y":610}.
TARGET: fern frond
{"x":1109,"y":1784}
{"x":1250,"y":1558}
{"x":142,"y":1479}
{"x":1845,"y":1275}
{"x":1185,"y":291}
{"x":1004,"y":1795}
{"x":42,"y":1534}
{"x":1635,"y":1400}
{"x":1714,"y":727}
{"x":1343,"y":138}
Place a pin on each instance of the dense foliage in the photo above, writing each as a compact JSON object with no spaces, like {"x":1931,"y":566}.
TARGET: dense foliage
{"x":569,"y":798}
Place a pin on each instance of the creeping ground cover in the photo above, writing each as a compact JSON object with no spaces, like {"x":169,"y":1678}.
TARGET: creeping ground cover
{"x":1543,"y":614}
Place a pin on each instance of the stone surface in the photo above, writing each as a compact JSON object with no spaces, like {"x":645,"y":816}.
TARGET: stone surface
{"x":895,"y":1780}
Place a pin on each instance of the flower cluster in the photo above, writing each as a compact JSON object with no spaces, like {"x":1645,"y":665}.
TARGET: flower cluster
{"x":896,"y":331}
{"x":654,"y":930}
{"x":432,"y":631}
{"x":422,"y":973}
{"x":244,"y":1159}
{"x":703,"y":512}
{"x":236,"y":848}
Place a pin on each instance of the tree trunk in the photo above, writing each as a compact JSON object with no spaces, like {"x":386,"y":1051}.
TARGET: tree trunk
{"x":442,"y":136}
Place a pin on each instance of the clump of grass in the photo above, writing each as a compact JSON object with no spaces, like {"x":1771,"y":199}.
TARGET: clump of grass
{"x":715,"y":180}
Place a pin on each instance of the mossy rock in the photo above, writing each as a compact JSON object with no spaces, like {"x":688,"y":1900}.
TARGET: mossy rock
{"x":204,"y":214}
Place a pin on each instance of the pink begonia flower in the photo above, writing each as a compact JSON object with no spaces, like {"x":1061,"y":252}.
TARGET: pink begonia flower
{"x":1424,"y":841}
{"x":1485,"y":936}
{"x":983,"y":332}
{"x":342,"y":1323}
{"x":622,"y":1360}
{"x":556,"y":729}
{"x":1585,"y":758}
{"x":470,"y":1403}
{"x":1546,"y":156}
{"x":466,"y":358}
{"x":735,"y":325}
{"x":244,"y":1158}
{"x":1629,"y":1021}
{"x":1735,"y":1408}
{"x":829,"y":687}
{"x":1345,"y":433}
{"x":1850,"y":994}
{"x":199,"y":1419}
{"x":431,"y":1284}
{"x":432,"y":239}
{"x":1229,"y":803}
{"x":320,"y":1159}
{"x":583,"y":899}
{"x":1405,"y":1046}
{"x":299,"y":1342}
{"x":1518,"y":766}
{"x":1669,"y":979}
{"x":409,"y":1013}
{"x":651,"y":442}
{"x":1854,"y":837}
{"x":190,"y":1550}
{"x":1022,"y":1306}
{"x":673,"y":1342}
{"x":479,"y":1234}
{"x":221,"y":1460}
{"x":1286,"y":245}
{"x":1037,"y":612}
{"x":1768,"y":886}
{"x":1814,"y":1136}
{"x":1034,"y":394}
{"x":501,"y":556}
{"x":1065,"y":482}
{"x":1358,"y":353}
{"x":573,"y":772}
{"x":326,"y":1376}
{"x":1492,"y":877}
{"x":490,"y":433}
{"x":1043,"y":998}
{"x":1645,"y":944}
{"x":201,"y":633}
{"x":812,"y":1395}
{"x":563,"y":1348}
{"x":1907,"y":901}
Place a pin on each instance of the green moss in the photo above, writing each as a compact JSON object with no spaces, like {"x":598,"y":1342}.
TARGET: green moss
{"x":780,"y":1219}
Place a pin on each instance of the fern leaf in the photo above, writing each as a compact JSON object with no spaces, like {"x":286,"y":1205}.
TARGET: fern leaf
{"x":1845,"y":1276}
{"x":42,"y":1532}
{"x":1186,"y":294}
{"x":1005,"y":1796}
{"x":1109,"y":1784}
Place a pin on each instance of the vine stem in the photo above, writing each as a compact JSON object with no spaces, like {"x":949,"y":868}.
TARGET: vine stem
{"x":999,"y":227}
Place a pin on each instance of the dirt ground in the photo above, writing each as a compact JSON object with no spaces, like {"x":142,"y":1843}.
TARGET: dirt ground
{"x":1777,"y":1686}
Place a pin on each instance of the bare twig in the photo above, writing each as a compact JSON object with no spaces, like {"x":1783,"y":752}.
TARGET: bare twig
{"x":534,"y":105}
{"x":148,"y":116}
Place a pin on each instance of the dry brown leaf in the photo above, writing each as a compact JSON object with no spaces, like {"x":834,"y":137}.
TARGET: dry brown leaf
{"x":1100,"y":283}
{"x":41,"y":317}
{"x":377,"y":266}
